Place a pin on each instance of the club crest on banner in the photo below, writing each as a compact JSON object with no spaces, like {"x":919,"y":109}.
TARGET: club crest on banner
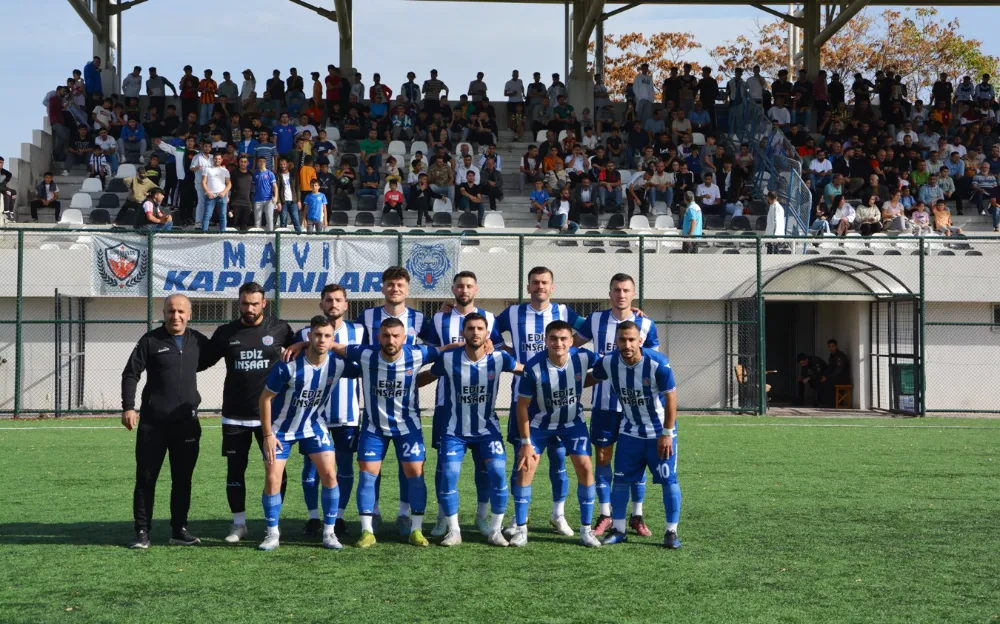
{"x":121,"y":265}
{"x":428,"y":262}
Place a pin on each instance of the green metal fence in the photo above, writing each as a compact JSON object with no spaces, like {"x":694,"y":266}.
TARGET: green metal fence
{"x":914,"y":313}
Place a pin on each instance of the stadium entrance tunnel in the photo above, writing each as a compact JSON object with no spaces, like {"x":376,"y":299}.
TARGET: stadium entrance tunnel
{"x":872,"y":314}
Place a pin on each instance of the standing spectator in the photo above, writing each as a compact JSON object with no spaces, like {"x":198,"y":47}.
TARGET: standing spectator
{"x":514,"y":90}
{"x":802,"y":100}
{"x":275,"y":89}
{"x":306,"y":173}
{"x":241,"y":195}
{"x":556,"y":89}
{"x":229,"y":90}
{"x":535,"y":92}
{"x":248,"y":91}
{"x":188,"y":85}
{"x":92,"y":78}
{"x":942,"y":91}
{"x":57,"y":121}
{"x":756,"y":86}
{"x":199,"y":164}
{"x":775,"y":220}
{"x":288,"y":203}
{"x":156,"y":90}
{"x":207,"y":89}
{"x":693,"y":223}
{"x":98,"y":166}
{"x":47,"y":193}
{"x":216,"y":184}
{"x":171,"y":355}
{"x":836,"y":92}
{"x":315,"y":204}
{"x":492,"y":182}
{"x":642,"y":86}
{"x":379,"y":95}
{"x":266,"y":149}
{"x":294,"y":82}
{"x":132,"y":84}
{"x":688,"y":86}
{"x":284,"y":135}
{"x":432,"y":91}
{"x":139,"y":187}
{"x":477,"y":89}
{"x":410,"y":90}
{"x":265,"y":193}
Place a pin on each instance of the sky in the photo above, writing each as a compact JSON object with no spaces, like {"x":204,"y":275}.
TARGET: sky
{"x":390,"y":37}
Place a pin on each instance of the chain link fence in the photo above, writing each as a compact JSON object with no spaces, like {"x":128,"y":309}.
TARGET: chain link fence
{"x":80,"y":301}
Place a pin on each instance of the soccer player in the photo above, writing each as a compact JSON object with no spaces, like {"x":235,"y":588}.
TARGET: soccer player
{"x":395,"y":289}
{"x":341,"y":413}
{"x":526,"y":323}
{"x":250,"y":345}
{"x":605,"y":419}
{"x":469,"y":382}
{"x":295,"y":394}
{"x":644,"y":383}
{"x":392,"y":416}
{"x":446,"y":328}
{"x":548,"y":406}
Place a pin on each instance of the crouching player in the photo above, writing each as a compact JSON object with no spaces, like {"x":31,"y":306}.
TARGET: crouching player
{"x":548,"y":406}
{"x":645,"y":386}
{"x":290,"y":408}
{"x":470,"y":380}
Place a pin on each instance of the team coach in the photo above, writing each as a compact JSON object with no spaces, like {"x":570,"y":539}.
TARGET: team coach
{"x":168,"y":417}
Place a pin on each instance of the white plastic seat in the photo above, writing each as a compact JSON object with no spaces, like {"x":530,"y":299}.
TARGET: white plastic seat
{"x":48,"y":246}
{"x":497,"y":250}
{"x":664,"y":222}
{"x":562,"y":135}
{"x":125,"y":171}
{"x":698,"y":138}
{"x":91,"y":185}
{"x":419,"y":146}
{"x":540,"y":137}
{"x":660,"y":209}
{"x":470,"y":250}
{"x":72,"y":216}
{"x":638,"y":222}
{"x":493,"y":220}
{"x":79,"y":247}
{"x":626,"y":178}
{"x":332,"y":133}
{"x":82,"y":200}
{"x":396,"y":148}
{"x":442,"y":205}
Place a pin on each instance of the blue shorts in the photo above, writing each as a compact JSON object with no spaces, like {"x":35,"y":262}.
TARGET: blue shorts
{"x":372,"y":447}
{"x":345,"y":439}
{"x":604,"y":425}
{"x":634,"y":455}
{"x":483,"y":448}
{"x":575,"y":437}
{"x":307,"y":446}
{"x":515,"y":438}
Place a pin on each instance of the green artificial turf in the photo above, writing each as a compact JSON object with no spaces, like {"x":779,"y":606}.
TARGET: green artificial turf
{"x":871,"y":520}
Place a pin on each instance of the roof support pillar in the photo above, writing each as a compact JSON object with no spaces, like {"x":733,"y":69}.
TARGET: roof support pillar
{"x":579,"y":82}
{"x":345,"y":25}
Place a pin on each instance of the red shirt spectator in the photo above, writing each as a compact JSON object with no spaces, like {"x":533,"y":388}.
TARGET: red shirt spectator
{"x":394,"y":197}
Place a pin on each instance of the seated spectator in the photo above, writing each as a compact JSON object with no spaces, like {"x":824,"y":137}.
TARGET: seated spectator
{"x":550,"y":160}
{"x":709,"y":196}
{"x":539,"y":201}
{"x":560,"y":209}
{"x":470,"y":196}
{"x":920,"y":221}
{"x":931,"y":192}
{"x":731,"y":187}
{"x":531,"y":167}
{"x":638,"y":192}
{"x":491,"y":182}
{"x":661,"y":184}
{"x":98,"y":166}
{"x":47,"y":196}
{"x":820,"y":170}
{"x":684,"y":181}
{"x":577,"y":165}
{"x":906,"y":199}
{"x":868,"y":217}
{"x":843,"y":216}
{"x":780,"y":114}
{"x":589,"y":141}
{"x":422,"y":199}
{"x":79,"y":149}
{"x":681,"y":125}
{"x":109,"y":149}
{"x":616,"y":147}
{"x":982,"y":188}
{"x":610,"y":189}
{"x":369,"y":182}
{"x":874,"y":187}
{"x":834,"y":188}
{"x":821,"y":224}
{"x":441,"y":177}
{"x":393,"y":200}
{"x":139,"y":188}
{"x":561,"y":114}
{"x":372,"y":149}
{"x":893,"y":213}
{"x":942,"y":220}
{"x":152,"y":216}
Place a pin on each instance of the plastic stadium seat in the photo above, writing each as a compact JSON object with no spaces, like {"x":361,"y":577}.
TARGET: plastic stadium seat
{"x":562,"y":135}
{"x":350,"y":159}
{"x":81,"y":200}
{"x":616,"y":222}
{"x":741,"y":223}
{"x":442,"y":219}
{"x":893,"y":252}
{"x":442,"y":205}
{"x":661,"y":208}
{"x":367,"y":203}
{"x":99,"y":216}
{"x":419,"y":146}
{"x":638,"y":222}
{"x":623,"y":251}
{"x":91,"y":185}
{"x":396,"y":148}
{"x":351,"y":147}
{"x":698,"y":138}
{"x":341,"y":203}
{"x":468,"y":220}
{"x":715,"y":222}
{"x":390,"y":219}
{"x":761,"y":224}
{"x":339,"y":218}
{"x":838,"y":252}
{"x":730,"y":251}
{"x":116,"y":185}
{"x":125,"y":171}
{"x":332,"y":133}
{"x":540,"y":137}
{"x":589,"y":221}
{"x":596,"y":250}
{"x":946,"y":252}
{"x":973,"y":253}
{"x":109,"y":201}
{"x":364,"y":219}
{"x":73,"y":216}
{"x":48,"y":247}
{"x":664,"y":222}
{"x":493,"y":220}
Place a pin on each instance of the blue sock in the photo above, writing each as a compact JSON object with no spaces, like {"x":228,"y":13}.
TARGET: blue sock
{"x":418,"y":494}
{"x":672,"y":502}
{"x":639,"y":490}
{"x":310,"y":484}
{"x":439,"y":482}
{"x":378,"y":489}
{"x":557,"y":473}
{"x":331,"y":501}
{"x":345,"y":478}
{"x":498,"y":485}
{"x":619,"y":500}
{"x":522,"y":500}
{"x":602,"y":475}
{"x":586,"y":495}
{"x":366,"y":493}
{"x":272,"y":509}
{"x":482,"y":478}
{"x":447,"y":492}
{"x":404,"y":491}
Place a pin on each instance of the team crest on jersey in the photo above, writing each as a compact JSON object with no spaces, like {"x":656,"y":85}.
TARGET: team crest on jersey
{"x":429,"y":262}
{"x":578,"y":377}
{"x":409,"y":372}
{"x":645,"y":381}
{"x":412,"y":331}
{"x":121,"y":265}
{"x":492,"y":376}
{"x":267,"y":340}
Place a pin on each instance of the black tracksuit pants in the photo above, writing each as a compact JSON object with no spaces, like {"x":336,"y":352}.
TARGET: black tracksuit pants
{"x":154,"y":441}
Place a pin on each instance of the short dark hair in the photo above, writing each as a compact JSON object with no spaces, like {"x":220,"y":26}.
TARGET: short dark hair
{"x":476,"y":316}
{"x":462,"y":274}
{"x":626,"y":325}
{"x":832,"y":341}
{"x":390,"y":323}
{"x":395,"y":273}
{"x":331,"y":288}
{"x":558,"y":325}
{"x":801,"y":356}
{"x":251,"y":288}
{"x":320,"y":320}
{"x":539,"y":270}
{"x":622,"y":277}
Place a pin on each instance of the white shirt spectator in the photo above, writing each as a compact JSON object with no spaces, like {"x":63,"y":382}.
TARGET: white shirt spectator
{"x":358,"y":89}
{"x":821,"y":167}
{"x":460,"y":172}
{"x":576,"y":163}
{"x":637,"y":182}
{"x":131,"y":85}
{"x":50,"y":191}
{"x":107,"y":143}
{"x":203,"y":161}
{"x":755,"y":85}
{"x":775,"y":220}
{"x":563,"y":208}
{"x":912,"y":134}
{"x":102,"y":118}
{"x":712,"y":192}
{"x":286,"y":178}
{"x":929,"y":140}
{"x":215,"y":179}
{"x":958,"y":148}
{"x":642,"y":86}
{"x":919,"y":116}
{"x":589,"y":142}
{"x":780,"y":114}
{"x":311,"y":128}
{"x":514,"y":90}
{"x":846,"y":211}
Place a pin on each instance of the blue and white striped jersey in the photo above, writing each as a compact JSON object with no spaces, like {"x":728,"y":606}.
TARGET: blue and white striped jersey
{"x":556,"y":392}
{"x":392,"y":405}
{"x":301,"y":390}
{"x":640,"y":390}
{"x":413,"y":320}
{"x":526,"y":327}
{"x":601,"y":327}
{"x":470,"y":391}
{"x":447,"y":329}
{"x":343,"y":407}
